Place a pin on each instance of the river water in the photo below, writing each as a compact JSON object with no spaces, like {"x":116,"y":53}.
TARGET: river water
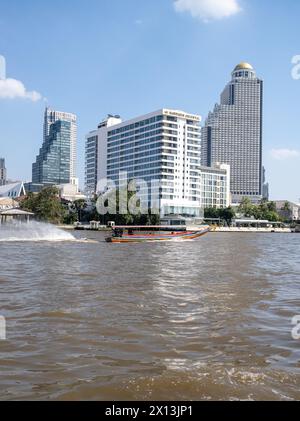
{"x":201,"y":320}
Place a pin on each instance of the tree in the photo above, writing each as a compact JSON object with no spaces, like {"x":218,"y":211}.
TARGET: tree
{"x":79,"y":206}
{"x":29,"y":202}
{"x":286,"y":207}
{"x":263,"y":211}
{"x":70,"y":218}
{"x":211,"y":213}
{"x":287,"y":211}
{"x":46,"y":205}
{"x":228,"y":214}
{"x":246,"y":207}
{"x":272,"y":216}
{"x":272,"y":207}
{"x":225,"y":214}
{"x":127,"y":218}
{"x":263,"y":206}
{"x":154,"y":219}
{"x":257,"y":212}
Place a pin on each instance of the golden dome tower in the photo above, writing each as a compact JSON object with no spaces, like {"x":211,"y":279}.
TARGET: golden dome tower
{"x":243,"y":69}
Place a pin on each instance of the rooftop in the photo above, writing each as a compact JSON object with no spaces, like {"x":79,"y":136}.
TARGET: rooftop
{"x":16,"y":212}
{"x":243,"y":66}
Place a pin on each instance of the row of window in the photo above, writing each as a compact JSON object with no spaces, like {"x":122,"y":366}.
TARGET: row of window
{"x":137,"y":124}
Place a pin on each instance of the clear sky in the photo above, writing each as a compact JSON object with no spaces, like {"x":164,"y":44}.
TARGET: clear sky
{"x":131,"y":57}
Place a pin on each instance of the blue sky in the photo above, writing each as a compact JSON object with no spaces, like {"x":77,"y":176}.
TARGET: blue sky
{"x":131,"y":57}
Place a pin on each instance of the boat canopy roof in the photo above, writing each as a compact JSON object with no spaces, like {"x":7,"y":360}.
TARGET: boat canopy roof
{"x":16,"y":212}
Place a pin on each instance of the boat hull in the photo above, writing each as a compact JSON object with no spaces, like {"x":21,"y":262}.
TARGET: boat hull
{"x":143,"y":238}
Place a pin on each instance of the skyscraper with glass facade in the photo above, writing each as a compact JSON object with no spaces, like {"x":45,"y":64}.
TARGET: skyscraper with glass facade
{"x":233,"y":134}
{"x":2,"y":172}
{"x":52,"y":166}
{"x":51,"y":116}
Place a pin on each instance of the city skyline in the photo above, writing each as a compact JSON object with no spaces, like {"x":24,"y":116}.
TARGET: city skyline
{"x":92,"y":87}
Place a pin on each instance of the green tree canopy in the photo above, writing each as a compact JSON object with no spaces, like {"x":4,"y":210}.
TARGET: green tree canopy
{"x":226,"y":214}
{"x":46,"y":205}
{"x":263,"y":211}
{"x":126,"y":219}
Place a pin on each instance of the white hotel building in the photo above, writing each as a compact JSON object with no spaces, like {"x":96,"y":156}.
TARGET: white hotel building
{"x":163,"y":146}
{"x":215,"y":186}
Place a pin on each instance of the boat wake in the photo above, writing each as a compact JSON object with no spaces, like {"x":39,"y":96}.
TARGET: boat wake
{"x":33,"y":232}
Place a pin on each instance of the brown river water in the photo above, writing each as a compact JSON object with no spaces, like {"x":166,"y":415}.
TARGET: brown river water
{"x":209,"y":319}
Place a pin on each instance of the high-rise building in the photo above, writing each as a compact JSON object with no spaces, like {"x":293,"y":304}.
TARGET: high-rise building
{"x":91,"y":163}
{"x":233,"y":134}
{"x":266,"y":186}
{"x":163,"y":146}
{"x":96,"y":154}
{"x":2,"y":172}
{"x":53,"y":166}
{"x":51,"y":116}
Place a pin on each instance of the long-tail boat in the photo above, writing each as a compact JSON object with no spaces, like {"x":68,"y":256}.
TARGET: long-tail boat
{"x":137,"y":234}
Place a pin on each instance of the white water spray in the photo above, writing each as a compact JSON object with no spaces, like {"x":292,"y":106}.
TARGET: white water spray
{"x":32,"y":231}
